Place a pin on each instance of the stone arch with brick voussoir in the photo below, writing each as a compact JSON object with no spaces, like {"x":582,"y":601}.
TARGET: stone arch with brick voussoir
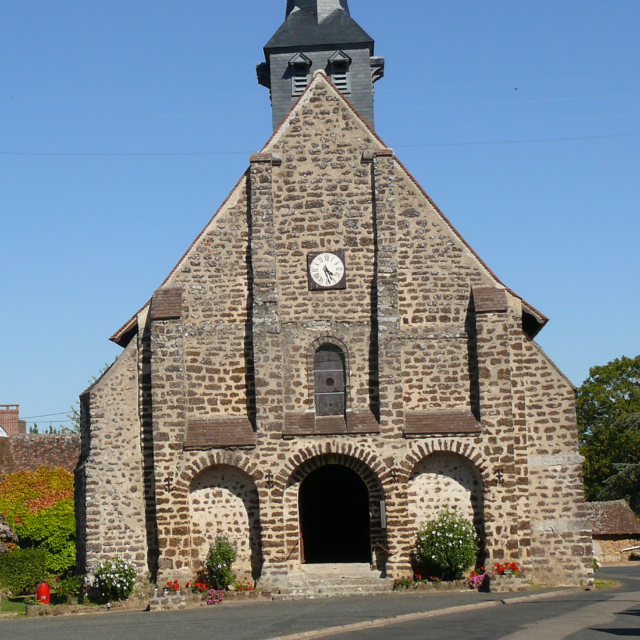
{"x":447,"y":477}
{"x":196,"y":472}
{"x":331,"y":506}
{"x":224,"y":501}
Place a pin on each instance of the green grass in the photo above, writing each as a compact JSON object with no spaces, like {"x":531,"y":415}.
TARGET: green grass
{"x":607,"y":584}
{"x":12,"y":606}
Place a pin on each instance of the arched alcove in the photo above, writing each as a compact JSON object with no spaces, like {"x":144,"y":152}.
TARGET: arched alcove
{"x":223,"y":500}
{"x":445,"y":479}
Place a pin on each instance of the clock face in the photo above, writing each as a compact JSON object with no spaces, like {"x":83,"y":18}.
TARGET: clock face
{"x":327,"y":270}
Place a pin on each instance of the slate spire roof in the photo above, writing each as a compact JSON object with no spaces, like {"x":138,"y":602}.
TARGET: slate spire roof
{"x":318,"y":22}
{"x":322,"y":8}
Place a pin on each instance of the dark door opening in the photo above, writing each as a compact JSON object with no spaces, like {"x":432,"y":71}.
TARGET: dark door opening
{"x":334,"y":516}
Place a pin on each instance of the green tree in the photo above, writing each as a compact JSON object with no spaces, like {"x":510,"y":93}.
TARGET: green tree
{"x":608,"y":405}
{"x":625,"y":482}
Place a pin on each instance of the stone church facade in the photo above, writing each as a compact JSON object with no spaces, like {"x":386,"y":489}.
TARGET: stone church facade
{"x":328,"y":365}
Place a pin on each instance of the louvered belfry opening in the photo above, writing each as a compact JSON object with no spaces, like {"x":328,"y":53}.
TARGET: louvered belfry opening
{"x":340,"y":76}
{"x":330,"y":384}
{"x":300,"y":79}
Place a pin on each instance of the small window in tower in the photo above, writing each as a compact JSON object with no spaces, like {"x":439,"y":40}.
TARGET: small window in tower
{"x":299,"y":79}
{"x":340,"y":76}
{"x":339,"y":64}
{"x":330,"y":373}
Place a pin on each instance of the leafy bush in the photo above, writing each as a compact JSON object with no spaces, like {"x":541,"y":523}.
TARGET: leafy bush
{"x":220,"y":559}
{"x":447,"y":546}
{"x":66,"y":588}
{"x":38,"y":505}
{"x":116,"y":578}
{"x":22,"y":570}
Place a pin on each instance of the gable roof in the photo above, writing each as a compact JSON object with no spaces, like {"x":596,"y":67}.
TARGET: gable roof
{"x":128,"y":330}
{"x":613,"y":518}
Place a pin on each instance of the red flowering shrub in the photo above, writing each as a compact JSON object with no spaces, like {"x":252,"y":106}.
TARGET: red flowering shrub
{"x":507,"y":567}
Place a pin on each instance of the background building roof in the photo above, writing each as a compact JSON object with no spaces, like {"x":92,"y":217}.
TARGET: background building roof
{"x":613,"y":518}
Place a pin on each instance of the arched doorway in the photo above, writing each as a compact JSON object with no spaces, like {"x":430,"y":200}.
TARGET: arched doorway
{"x":334,"y":516}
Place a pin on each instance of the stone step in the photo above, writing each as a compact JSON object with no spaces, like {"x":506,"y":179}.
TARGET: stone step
{"x":327,"y":577}
{"x":343,"y":584}
{"x":319,"y":582}
{"x":328,"y":592}
{"x":346,"y":589}
{"x":337,"y":567}
{"x":333,"y":580}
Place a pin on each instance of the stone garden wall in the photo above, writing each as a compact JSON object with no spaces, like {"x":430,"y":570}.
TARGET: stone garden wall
{"x":29,"y":452}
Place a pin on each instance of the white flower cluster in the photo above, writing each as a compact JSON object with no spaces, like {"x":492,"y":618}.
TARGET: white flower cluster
{"x":116,"y":578}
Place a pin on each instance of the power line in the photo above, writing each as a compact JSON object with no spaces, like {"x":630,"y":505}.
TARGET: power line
{"x":53,"y":421}
{"x":488,"y":104}
{"x":514,"y":82}
{"x":398,"y":146}
{"x":46,"y":415}
{"x":177,"y":153}
{"x":461,"y":144}
{"x":208,"y":114}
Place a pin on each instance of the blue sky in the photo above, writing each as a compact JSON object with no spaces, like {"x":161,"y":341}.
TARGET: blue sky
{"x":86,"y":239}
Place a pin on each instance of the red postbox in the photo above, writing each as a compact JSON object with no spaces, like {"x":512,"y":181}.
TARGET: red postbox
{"x":43,"y":593}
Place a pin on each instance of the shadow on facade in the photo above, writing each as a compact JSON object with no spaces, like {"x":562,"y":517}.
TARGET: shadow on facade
{"x":472,"y":359}
{"x":249,"y":370}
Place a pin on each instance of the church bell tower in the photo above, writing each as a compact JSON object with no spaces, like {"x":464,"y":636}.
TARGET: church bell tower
{"x":319,"y":34}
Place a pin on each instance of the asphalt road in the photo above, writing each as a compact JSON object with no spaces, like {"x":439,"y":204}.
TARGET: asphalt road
{"x":576,"y":615}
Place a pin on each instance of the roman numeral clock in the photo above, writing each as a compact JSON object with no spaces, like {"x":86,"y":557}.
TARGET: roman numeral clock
{"x":326,"y":270}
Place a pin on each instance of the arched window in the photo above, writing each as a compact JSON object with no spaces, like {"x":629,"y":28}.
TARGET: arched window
{"x":329,"y":373}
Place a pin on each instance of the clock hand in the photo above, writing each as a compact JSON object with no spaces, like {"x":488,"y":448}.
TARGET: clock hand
{"x":328,"y":273}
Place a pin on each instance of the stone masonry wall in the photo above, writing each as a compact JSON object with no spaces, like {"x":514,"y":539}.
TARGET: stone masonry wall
{"x":610,"y":549}
{"x":110,"y":496}
{"x":561,"y":532}
{"x":321,"y":201}
{"x":217,"y":315}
